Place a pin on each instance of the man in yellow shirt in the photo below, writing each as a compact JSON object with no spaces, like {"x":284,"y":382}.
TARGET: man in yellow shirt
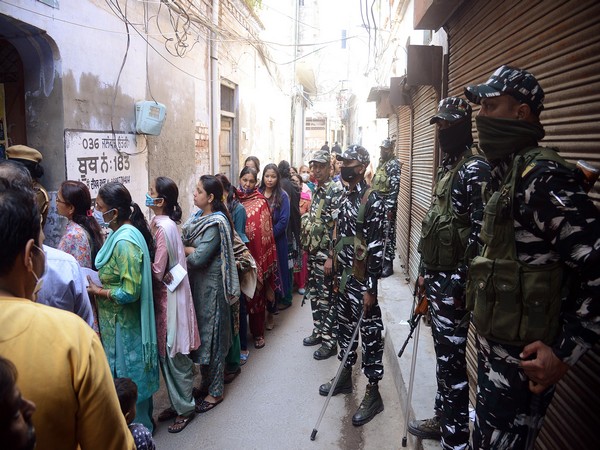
{"x":61,"y":363}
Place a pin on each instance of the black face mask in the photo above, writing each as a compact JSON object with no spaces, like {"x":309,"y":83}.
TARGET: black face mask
{"x":454,"y":139}
{"x":349,"y":174}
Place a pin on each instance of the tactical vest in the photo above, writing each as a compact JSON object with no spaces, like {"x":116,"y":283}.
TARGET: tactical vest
{"x":359,"y":262}
{"x":513,"y":302}
{"x":314,"y":233}
{"x":444,"y":233}
{"x":380,"y":181}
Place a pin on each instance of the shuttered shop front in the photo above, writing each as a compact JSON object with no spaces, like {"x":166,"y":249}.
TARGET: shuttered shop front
{"x":403,"y":216}
{"x":424,"y":101}
{"x":559,"y":42}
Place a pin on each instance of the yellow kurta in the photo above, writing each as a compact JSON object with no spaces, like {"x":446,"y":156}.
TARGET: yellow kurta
{"x":63,"y":370}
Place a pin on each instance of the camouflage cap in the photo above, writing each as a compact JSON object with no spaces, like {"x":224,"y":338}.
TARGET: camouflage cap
{"x":518,"y":83}
{"x":356,"y":152}
{"x":452,"y":109}
{"x":320,"y":156}
{"x":387,"y":143}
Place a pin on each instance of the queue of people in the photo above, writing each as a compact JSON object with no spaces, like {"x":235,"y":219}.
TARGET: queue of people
{"x":510,"y":243}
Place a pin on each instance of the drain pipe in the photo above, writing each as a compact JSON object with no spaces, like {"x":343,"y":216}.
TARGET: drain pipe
{"x":215,"y":90}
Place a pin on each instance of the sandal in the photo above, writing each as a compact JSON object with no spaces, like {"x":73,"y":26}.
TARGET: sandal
{"x":259,"y":342}
{"x":167,"y":414}
{"x":180,"y":423}
{"x":204,"y":406}
{"x":244,"y":357}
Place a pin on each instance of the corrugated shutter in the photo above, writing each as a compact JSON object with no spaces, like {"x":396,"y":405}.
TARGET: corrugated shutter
{"x":424,"y":100}
{"x":393,"y":126}
{"x":403,"y":142}
{"x":559,"y":42}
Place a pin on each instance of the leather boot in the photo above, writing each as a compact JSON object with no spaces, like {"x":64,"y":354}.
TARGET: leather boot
{"x":343,"y":386}
{"x":371,"y":405}
{"x":388,"y":268}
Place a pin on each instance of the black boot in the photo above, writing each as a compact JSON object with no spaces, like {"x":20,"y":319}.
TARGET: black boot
{"x":388,"y":268}
{"x":324,"y":352}
{"x":343,"y":386}
{"x":369,"y":407}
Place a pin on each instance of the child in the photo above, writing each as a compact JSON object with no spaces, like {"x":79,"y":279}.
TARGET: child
{"x":128,"y":393}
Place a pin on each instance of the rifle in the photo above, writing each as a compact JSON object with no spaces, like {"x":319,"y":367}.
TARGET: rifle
{"x":419,"y":310}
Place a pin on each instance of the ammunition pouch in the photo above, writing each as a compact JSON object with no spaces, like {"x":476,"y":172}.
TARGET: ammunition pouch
{"x":515,"y":303}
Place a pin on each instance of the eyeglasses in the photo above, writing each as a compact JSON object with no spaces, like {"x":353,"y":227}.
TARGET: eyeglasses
{"x":58,"y":200}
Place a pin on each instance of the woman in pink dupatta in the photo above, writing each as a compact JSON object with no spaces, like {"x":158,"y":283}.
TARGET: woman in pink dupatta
{"x":176,"y":325}
{"x":259,"y":229}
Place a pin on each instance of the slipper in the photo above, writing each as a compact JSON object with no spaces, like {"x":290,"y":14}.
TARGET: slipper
{"x":244,"y":357}
{"x":259,"y":342}
{"x":180,"y":423}
{"x":230,"y":376}
{"x":167,"y":414}
{"x":204,"y":406}
{"x":270,"y":322}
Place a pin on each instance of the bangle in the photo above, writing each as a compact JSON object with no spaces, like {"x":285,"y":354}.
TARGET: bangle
{"x":108,"y":294}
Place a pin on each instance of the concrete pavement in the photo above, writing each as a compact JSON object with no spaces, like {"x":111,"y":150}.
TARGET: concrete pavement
{"x":274,"y":403}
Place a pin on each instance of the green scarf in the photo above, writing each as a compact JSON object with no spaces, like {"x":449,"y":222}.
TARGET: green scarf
{"x":131,"y":234}
{"x":499,"y":138}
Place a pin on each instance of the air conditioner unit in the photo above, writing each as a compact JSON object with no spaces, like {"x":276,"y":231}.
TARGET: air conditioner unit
{"x":149,"y":117}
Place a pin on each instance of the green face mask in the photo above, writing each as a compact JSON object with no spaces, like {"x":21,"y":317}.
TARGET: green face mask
{"x":499,"y":138}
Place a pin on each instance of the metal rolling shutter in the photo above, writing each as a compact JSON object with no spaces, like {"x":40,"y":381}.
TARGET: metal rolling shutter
{"x":403,"y":142}
{"x":424,"y":100}
{"x":393,"y":126}
{"x":559,"y":42}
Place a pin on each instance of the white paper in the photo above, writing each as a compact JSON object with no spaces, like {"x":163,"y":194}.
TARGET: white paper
{"x":177,"y":274}
{"x":93,"y":276}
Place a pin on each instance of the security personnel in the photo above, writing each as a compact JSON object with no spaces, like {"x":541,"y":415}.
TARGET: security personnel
{"x":359,"y":252}
{"x":449,"y":240}
{"x":535,"y":288}
{"x":317,"y":239}
{"x":31,"y":158}
{"x":386,"y":181}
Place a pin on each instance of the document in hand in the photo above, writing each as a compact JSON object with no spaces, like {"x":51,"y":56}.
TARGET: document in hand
{"x":177,"y":274}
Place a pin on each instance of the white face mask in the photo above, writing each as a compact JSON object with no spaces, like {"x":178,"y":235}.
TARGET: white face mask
{"x":305,"y":177}
{"x":39,"y":280}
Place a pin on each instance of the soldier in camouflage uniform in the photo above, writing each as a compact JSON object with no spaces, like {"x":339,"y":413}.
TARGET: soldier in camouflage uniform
{"x":359,"y":252}
{"x":546,"y":235}
{"x":386,"y":181}
{"x":317,"y":240}
{"x":456,"y":210}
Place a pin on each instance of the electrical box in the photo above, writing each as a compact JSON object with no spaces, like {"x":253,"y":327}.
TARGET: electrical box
{"x":149,"y":117}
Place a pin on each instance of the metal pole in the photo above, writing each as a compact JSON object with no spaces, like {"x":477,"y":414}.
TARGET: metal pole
{"x":313,"y":435}
{"x":410,"y":383}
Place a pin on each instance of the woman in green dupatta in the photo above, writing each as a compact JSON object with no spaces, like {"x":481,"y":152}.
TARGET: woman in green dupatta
{"x":207,"y":237}
{"x":125,"y":303}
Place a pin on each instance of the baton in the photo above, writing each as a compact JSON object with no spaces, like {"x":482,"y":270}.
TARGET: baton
{"x":313,"y":435}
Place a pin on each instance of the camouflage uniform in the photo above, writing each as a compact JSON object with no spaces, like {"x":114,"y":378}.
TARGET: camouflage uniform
{"x":350,"y":295}
{"x":319,"y":286}
{"x":386,"y":181}
{"x":446,"y":295}
{"x":554,"y":222}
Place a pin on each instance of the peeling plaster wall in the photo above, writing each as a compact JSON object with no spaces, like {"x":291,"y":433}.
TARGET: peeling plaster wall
{"x":86,"y":64}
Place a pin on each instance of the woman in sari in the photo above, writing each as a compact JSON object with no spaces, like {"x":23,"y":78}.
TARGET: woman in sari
{"x":279,"y":204}
{"x":125,"y":304}
{"x":261,"y":243}
{"x":207,"y":237}
{"x":176,"y":325}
